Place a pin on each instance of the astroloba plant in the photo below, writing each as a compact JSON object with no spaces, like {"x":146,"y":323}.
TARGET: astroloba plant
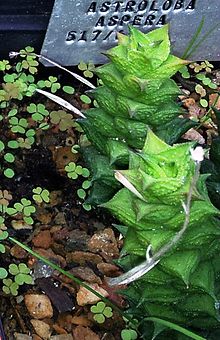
{"x":137,"y":93}
{"x":166,"y":207}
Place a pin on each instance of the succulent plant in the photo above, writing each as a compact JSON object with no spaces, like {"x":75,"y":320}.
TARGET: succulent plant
{"x":181,"y":287}
{"x":137,"y":92}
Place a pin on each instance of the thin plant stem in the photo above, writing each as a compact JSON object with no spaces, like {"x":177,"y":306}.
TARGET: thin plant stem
{"x":201,"y":41}
{"x":206,"y":116}
{"x":193,"y":40}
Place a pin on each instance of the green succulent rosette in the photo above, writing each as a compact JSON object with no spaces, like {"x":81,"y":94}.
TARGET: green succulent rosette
{"x":137,"y":93}
{"x":181,"y":288}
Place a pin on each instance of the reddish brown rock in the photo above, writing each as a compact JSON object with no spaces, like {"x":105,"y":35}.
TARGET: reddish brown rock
{"x":64,"y":321}
{"x":58,"y":329}
{"x":36,"y":337}
{"x":109,"y":269}
{"x":84,"y":333}
{"x":59,"y":233}
{"x":18,"y":252}
{"x":43,"y":239}
{"x":86,"y":274}
{"x":104,"y":242}
{"x":81,"y":320}
{"x":82,"y":257}
{"x":43,"y":215}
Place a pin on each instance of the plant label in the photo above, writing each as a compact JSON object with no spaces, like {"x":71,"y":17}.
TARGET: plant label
{"x":80,"y":30}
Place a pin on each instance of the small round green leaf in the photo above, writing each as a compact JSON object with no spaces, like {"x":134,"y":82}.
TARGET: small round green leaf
{"x":9,"y":173}
{"x":13,"y":144}
{"x":204,"y":103}
{"x":81,"y":193}
{"x":9,"y":157}
{"x":85,"y":99}
{"x":68,"y":89}
{"x":2,"y":146}
{"x":3,"y":273}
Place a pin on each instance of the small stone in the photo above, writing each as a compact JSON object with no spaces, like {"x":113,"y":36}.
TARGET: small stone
{"x":83,"y":257}
{"x":38,"y":306}
{"x":43,"y":215}
{"x":62,"y":337}
{"x":50,"y":255}
{"x":109,"y":269}
{"x":64,"y":320}
{"x":81,"y":320}
{"x":55,"y":198}
{"x":59,"y":233}
{"x":104,"y":242}
{"x":60,"y":218}
{"x":43,"y":239}
{"x":57,"y":295}
{"x":41,"y":328}
{"x":86,"y":274}
{"x":84,"y":333}
{"x":18,"y":252}
{"x":189,"y":102}
{"x":192,"y":134}
{"x":58,"y":329}
{"x":20,"y":336}
{"x":85,"y":297}
{"x":36,"y":337}
{"x":77,"y":240}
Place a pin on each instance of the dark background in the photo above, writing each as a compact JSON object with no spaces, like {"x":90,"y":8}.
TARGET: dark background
{"x":23,"y":23}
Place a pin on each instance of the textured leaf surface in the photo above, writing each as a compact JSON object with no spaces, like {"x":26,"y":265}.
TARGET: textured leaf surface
{"x":182,"y":287}
{"x":137,"y":93}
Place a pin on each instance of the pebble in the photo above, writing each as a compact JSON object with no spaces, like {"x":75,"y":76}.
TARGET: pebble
{"x":85,"y":297}
{"x":104,"y":242}
{"x":77,"y":240}
{"x":43,"y":239}
{"x":59,"y":233}
{"x":84,"y":333}
{"x":50,"y":255}
{"x":81,"y":320}
{"x":60,"y":219}
{"x":43,"y":215}
{"x":64,"y":321}
{"x":86,"y":274}
{"x":59,"y":329}
{"x":18,"y":252}
{"x":38,"y":306}
{"x":41,"y":328}
{"x":63,"y":337}
{"x":21,"y":336}
{"x":109,"y":269}
{"x":36,"y":337}
{"x":55,"y":198}
{"x":83,"y":257}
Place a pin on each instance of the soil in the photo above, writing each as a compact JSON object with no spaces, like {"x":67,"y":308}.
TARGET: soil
{"x":82,"y":242}
{"x":62,"y":232}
